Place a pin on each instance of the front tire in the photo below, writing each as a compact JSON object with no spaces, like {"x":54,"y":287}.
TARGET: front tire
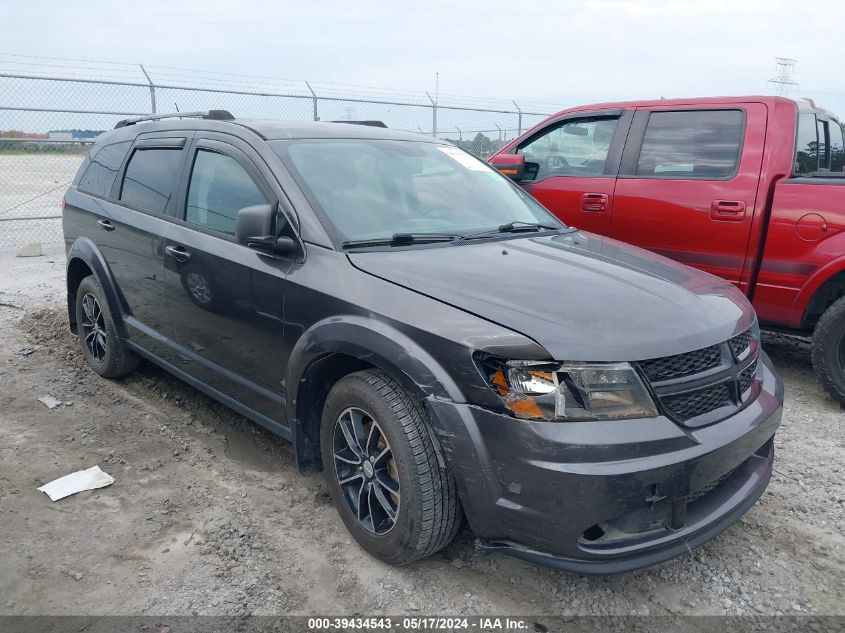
{"x":387,"y":483}
{"x":102,"y":348}
{"x":829,"y":350}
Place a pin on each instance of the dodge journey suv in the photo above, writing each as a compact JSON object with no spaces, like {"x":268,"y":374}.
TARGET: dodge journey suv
{"x":426,"y":334}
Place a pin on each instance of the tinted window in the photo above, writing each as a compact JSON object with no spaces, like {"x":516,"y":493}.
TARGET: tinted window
{"x":824,"y":158}
{"x":219,"y":188}
{"x":837,"y":148}
{"x":806,"y":144}
{"x":150,"y":178}
{"x":576,"y":148}
{"x":695,"y":144}
{"x":102,"y":169}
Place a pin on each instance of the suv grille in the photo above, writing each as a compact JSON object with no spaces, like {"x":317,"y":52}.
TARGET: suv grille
{"x":740,"y":343}
{"x":746,"y":378}
{"x":705,"y":385}
{"x":694,"y":403}
{"x":681,"y":365}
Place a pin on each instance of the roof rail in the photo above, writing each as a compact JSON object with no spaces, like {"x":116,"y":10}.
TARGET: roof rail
{"x":214,"y":115}
{"x":370,"y":123}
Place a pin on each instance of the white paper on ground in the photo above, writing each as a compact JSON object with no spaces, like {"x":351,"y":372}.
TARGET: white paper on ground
{"x":77,"y":482}
{"x":49,"y":401}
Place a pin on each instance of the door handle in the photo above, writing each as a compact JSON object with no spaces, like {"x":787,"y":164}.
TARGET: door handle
{"x":178,"y":253}
{"x":594,"y":202}
{"x":728,"y":210}
{"x":106,"y":225}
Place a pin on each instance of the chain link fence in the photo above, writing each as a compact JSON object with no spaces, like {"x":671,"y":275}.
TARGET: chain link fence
{"x":48,"y":123}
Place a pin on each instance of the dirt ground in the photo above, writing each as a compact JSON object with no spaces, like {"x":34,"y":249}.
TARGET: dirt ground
{"x":208,"y":514}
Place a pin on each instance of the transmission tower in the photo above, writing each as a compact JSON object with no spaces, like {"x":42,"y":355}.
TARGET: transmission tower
{"x":783,"y":83}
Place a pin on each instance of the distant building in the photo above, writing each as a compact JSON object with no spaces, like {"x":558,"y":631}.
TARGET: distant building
{"x":60,"y":136}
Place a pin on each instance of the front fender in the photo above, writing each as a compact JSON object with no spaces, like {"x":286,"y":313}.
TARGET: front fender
{"x":83,"y":249}
{"x":379,"y":344}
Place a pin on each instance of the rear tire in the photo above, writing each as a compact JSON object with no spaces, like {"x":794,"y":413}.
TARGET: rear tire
{"x":103,"y":350}
{"x":419,"y":491}
{"x":829,"y":350}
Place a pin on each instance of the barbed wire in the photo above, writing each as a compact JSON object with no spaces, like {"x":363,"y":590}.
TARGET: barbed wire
{"x":80,"y":68}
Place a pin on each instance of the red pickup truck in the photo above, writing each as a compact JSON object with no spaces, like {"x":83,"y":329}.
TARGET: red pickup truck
{"x":748,"y":188}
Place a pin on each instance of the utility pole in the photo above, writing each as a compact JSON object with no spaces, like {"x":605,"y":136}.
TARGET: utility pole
{"x":783,"y":83}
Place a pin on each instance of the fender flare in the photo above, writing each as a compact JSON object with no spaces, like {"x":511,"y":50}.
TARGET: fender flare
{"x":375,"y":342}
{"x":86,"y":251}
{"x":816,"y":282}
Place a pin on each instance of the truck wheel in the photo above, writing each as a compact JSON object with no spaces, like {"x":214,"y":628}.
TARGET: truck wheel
{"x":393,"y":495}
{"x":104,"y":351}
{"x":829,"y":350}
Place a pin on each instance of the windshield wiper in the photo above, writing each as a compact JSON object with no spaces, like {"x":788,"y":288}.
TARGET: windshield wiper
{"x":401,"y":239}
{"x":515,"y":227}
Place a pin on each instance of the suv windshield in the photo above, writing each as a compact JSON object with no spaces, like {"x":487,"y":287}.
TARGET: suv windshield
{"x":374,"y":189}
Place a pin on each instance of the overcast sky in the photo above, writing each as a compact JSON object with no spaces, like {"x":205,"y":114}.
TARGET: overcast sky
{"x":544,"y":50}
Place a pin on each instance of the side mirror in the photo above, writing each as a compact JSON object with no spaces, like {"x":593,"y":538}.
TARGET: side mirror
{"x":255,"y":227}
{"x":511,"y":165}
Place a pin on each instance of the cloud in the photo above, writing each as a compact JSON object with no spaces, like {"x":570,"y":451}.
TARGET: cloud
{"x":546,"y":50}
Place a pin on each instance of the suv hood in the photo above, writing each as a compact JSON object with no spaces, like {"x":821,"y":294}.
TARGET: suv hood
{"x":580,"y":296}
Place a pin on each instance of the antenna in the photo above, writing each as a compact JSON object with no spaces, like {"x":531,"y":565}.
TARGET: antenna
{"x":783,"y":83}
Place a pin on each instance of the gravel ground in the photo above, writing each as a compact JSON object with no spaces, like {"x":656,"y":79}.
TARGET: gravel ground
{"x":208,"y":514}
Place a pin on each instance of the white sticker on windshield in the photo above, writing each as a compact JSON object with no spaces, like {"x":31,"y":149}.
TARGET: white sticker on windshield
{"x":463,"y":158}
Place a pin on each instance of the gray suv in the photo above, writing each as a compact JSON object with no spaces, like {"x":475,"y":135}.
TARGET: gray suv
{"x":427,"y":335}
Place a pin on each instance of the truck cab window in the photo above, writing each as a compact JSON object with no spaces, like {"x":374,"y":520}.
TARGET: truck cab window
{"x":837,"y":147}
{"x":576,"y":148}
{"x":692,"y":144}
{"x":806,"y":145}
{"x":824,"y":155}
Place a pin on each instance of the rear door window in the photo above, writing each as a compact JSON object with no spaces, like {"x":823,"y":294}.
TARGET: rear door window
{"x":150,"y":179}
{"x":219,"y":188}
{"x":102,"y":169}
{"x":807,"y":145}
{"x":692,"y":144}
{"x":824,"y":156}
{"x":837,"y":148}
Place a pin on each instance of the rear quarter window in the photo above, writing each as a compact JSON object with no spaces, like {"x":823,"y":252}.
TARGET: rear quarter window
{"x":103,"y":165}
{"x":150,"y":178}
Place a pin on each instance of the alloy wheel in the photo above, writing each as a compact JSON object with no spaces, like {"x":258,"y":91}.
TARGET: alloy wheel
{"x":94,"y":327}
{"x":366,"y":470}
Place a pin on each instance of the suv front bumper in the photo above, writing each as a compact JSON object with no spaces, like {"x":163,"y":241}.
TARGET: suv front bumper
{"x":609,"y":496}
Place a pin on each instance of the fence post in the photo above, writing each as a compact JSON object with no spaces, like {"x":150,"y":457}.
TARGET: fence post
{"x":518,"y":109}
{"x":433,"y":114}
{"x":152,"y":88}
{"x":314,"y":98}
{"x":500,"y":131}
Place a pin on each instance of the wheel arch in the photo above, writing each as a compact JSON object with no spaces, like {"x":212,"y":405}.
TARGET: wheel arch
{"x":84,"y":259}
{"x":335,"y":348}
{"x":824,"y":289}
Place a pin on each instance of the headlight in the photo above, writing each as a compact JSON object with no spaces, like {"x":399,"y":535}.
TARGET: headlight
{"x":570,"y":391}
